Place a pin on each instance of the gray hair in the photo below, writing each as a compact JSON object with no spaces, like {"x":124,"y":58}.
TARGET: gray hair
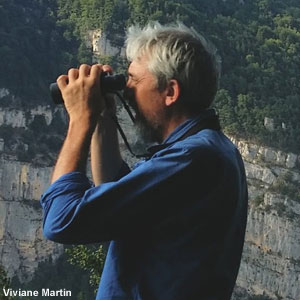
{"x":178,"y":52}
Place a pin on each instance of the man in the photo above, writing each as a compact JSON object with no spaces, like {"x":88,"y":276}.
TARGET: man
{"x":177,"y":221}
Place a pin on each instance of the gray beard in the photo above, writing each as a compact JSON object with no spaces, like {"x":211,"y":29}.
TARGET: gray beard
{"x":146,"y":133}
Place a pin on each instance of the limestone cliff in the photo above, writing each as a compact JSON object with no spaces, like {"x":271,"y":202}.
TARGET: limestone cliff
{"x":22,"y":245}
{"x":271,"y":260}
{"x":102,"y":46}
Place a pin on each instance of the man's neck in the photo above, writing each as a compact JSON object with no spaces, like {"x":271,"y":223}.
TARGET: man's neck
{"x":173,"y":123}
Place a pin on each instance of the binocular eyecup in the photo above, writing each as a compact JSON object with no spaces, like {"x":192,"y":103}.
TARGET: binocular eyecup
{"x":109,"y":84}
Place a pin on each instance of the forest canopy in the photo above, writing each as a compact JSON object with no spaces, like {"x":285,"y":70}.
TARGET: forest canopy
{"x":258,"y":41}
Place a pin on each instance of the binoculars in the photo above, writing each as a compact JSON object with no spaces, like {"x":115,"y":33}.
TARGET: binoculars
{"x":109,"y":84}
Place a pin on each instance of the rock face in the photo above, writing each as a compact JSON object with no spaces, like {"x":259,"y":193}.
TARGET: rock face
{"x":101,"y":45}
{"x":17,"y":118}
{"x":270,"y":266}
{"x":22,"y":245}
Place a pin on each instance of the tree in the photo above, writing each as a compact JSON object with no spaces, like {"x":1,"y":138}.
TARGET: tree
{"x":89,"y":259}
{"x":4,"y":284}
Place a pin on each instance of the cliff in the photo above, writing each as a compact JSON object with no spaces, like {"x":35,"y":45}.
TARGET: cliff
{"x":271,"y":258}
{"x":30,"y":138}
{"x":22,"y":245}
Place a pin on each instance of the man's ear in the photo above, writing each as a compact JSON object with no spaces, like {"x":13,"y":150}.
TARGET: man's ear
{"x":172,"y":92}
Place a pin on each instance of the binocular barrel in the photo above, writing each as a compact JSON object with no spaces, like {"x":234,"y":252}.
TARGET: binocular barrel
{"x":109,"y":84}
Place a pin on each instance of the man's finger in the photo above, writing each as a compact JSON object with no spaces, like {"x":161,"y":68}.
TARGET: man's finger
{"x":73,"y":74}
{"x":84,"y":70}
{"x":62,"y":81}
{"x":108,"y":69}
{"x":96,"y":71}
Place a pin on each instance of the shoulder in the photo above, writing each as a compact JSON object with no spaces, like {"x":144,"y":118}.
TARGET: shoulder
{"x":207,"y":142}
{"x":207,"y":149}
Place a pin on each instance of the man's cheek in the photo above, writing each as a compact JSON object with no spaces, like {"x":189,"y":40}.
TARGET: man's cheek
{"x":129,"y":95}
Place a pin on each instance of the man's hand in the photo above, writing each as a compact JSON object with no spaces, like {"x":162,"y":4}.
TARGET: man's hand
{"x":84,"y":102}
{"x":81,"y":92}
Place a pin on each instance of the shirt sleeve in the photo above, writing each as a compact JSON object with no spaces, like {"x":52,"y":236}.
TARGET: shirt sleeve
{"x":75,"y":212}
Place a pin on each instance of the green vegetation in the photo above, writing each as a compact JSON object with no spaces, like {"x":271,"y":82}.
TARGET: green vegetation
{"x":37,"y":144}
{"x":33,"y":49}
{"x":90,"y":259}
{"x":78,"y":270}
{"x":258,"y":41}
{"x":58,"y":275}
{"x":286,"y":186}
{"x":258,"y":200}
{"x":4,"y":284}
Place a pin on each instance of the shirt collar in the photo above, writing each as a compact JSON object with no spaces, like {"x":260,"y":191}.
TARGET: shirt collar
{"x":182,"y":129}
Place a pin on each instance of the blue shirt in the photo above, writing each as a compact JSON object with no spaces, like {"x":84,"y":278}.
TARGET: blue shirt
{"x":176,"y":222}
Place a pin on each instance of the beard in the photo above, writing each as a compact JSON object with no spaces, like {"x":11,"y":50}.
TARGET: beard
{"x":147,"y":131}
